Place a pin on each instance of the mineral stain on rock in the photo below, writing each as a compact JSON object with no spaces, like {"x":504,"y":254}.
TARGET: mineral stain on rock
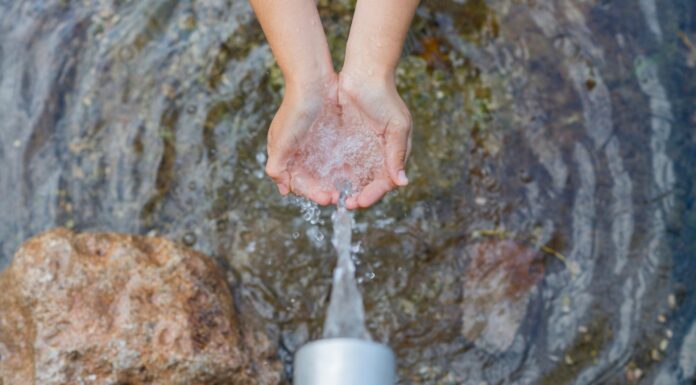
{"x":498,"y":286}
{"x":112,"y":308}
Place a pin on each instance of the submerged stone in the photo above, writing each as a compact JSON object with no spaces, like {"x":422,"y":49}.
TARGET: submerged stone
{"x":498,"y":286}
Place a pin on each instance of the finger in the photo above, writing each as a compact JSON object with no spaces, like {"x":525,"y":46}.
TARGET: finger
{"x":276,"y":168}
{"x":374,"y":191}
{"x":283,"y":189}
{"x":408,"y":147}
{"x":397,"y":138}
{"x":334,"y":197}
{"x":352,"y":202}
{"x":310,"y":188}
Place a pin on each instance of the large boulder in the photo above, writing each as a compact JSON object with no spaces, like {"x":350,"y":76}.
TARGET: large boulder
{"x":120,"y":309}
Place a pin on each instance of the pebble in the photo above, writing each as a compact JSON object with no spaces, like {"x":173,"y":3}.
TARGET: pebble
{"x":187,"y":23}
{"x":566,"y":304}
{"x":126,"y":53}
{"x":168,"y":90}
{"x":637,"y":374}
{"x":189,"y":239}
{"x":663,"y":345}
{"x":655,"y":355}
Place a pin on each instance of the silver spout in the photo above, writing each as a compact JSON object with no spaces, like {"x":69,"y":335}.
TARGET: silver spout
{"x":344,"y":361}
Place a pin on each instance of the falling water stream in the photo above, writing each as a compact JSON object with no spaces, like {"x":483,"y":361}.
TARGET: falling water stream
{"x":346,"y":315}
{"x":548,"y":231}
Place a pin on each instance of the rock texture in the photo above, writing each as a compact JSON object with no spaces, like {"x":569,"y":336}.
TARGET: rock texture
{"x":122,"y":310}
{"x":497,"y":289}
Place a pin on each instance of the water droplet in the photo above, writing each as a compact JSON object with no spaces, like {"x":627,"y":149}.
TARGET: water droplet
{"x":319,"y":236}
{"x":189,"y":239}
{"x":356,"y":248}
{"x":295,"y":235}
{"x":191,"y":110}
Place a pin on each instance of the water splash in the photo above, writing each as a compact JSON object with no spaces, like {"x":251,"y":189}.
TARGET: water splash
{"x":346,"y":314}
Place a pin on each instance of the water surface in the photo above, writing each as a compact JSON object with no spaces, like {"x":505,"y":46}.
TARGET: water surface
{"x":547,"y":235}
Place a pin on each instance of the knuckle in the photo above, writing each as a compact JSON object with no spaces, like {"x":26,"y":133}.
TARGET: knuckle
{"x":398,"y":129}
{"x":402,"y":126}
{"x":272,"y":171}
{"x":408,"y":120}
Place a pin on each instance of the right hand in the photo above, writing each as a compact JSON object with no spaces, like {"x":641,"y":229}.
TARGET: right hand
{"x":304,"y":103}
{"x":381,"y":109}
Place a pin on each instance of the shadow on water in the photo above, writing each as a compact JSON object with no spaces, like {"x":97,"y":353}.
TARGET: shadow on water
{"x":547,"y":236}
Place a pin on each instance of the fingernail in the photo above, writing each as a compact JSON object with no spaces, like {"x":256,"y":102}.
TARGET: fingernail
{"x":403,"y":180}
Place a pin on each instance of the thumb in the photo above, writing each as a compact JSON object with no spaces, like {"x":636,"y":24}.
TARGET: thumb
{"x":397,"y":135}
{"x":276,"y":168}
{"x":281,"y":144}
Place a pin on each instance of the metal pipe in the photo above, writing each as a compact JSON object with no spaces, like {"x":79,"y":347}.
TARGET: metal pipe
{"x":344,"y":361}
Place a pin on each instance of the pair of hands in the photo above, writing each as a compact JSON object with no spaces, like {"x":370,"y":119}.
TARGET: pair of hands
{"x":373,"y":103}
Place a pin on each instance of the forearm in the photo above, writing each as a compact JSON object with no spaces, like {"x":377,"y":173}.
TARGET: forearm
{"x":297,"y":39}
{"x":377,"y":37}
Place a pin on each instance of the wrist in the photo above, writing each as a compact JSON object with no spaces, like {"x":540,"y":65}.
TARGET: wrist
{"x":358,"y":82}
{"x":310,"y":89}
{"x":312,"y":73}
{"x":360,"y":67}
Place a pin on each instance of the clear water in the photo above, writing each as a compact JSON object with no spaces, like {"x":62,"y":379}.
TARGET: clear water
{"x":566,"y":126}
{"x":345,"y":316}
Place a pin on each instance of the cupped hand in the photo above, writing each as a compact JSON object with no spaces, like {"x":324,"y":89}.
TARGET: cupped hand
{"x":304,"y":105}
{"x":377,"y":106}
{"x":344,"y":131}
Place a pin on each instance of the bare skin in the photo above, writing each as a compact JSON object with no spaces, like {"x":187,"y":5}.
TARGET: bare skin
{"x":365,"y":87}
